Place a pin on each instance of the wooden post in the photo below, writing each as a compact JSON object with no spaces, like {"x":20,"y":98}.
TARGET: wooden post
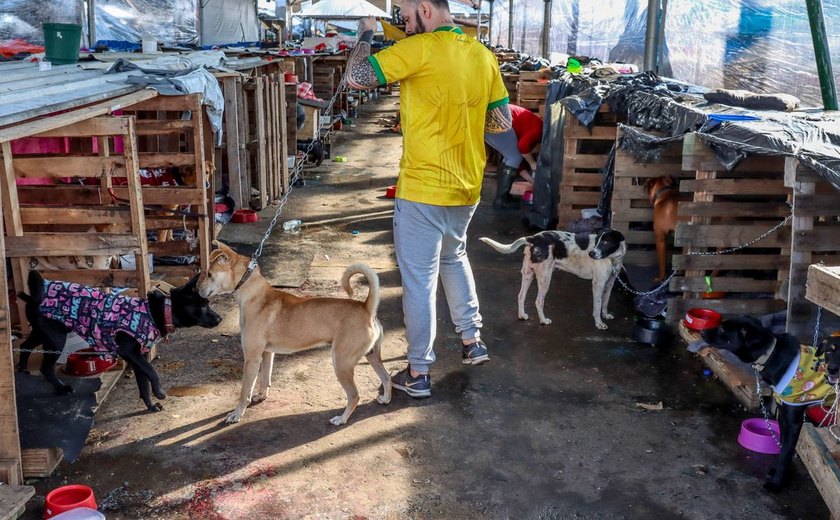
{"x":138,"y":219}
{"x":262,"y":151}
{"x":283,"y":124}
{"x":799,"y":311}
{"x":14,"y":227}
{"x":203,"y":172}
{"x":231,"y":130}
{"x":9,"y":434}
{"x":242,"y":127}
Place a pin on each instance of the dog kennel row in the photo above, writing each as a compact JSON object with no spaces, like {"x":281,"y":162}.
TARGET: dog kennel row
{"x":716,"y":210}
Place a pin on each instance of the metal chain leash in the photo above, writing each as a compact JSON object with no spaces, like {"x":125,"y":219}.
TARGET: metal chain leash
{"x":764,"y":410}
{"x":707,"y":253}
{"x":298,"y":173}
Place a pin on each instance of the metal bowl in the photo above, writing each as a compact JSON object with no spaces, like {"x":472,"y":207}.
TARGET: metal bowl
{"x":651,"y":331}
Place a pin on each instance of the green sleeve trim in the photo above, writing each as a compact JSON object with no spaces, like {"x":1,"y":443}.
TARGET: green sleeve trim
{"x":378,"y":70}
{"x":496,"y":104}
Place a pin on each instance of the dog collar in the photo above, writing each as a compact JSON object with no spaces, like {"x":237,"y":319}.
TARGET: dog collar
{"x":251,"y":266}
{"x":759,"y":363}
{"x":167,"y":315}
{"x":659,"y":192}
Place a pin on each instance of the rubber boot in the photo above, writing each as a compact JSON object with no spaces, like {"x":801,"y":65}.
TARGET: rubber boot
{"x":504,"y":182}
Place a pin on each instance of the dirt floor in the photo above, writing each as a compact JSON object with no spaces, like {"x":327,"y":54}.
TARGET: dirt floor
{"x":549,"y":429}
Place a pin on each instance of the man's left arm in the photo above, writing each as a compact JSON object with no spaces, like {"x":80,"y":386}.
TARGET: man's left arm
{"x":360,"y":73}
{"x":498,"y":120}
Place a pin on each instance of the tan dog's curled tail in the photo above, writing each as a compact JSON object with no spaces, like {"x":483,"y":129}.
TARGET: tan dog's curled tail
{"x":505,"y":248}
{"x":372,"y":302}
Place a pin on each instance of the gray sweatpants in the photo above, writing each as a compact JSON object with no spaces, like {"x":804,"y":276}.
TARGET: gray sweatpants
{"x":506,"y":144}
{"x":431,"y":240}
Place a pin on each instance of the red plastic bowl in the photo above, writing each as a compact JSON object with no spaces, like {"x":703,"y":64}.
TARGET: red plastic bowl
{"x":818,"y":415}
{"x":701,"y":319}
{"x":755,"y":436}
{"x":81,"y":364}
{"x":66,"y":498}
{"x":391,"y":192}
{"x":243,"y":216}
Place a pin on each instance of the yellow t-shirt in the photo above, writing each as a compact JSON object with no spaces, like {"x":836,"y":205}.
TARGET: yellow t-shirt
{"x":448,"y":82}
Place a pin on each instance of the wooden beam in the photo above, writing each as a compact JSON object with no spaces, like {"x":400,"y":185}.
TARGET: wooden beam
{"x":823,"y":287}
{"x":165,"y":127}
{"x":67,"y":244}
{"x":183,"y":103}
{"x":135,"y":200}
{"x":165,"y":160}
{"x":68,"y":166}
{"x":94,"y":127}
{"x":73,"y":214}
{"x":9,"y":434}
{"x":13,"y":501}
{"x":46,"y":124}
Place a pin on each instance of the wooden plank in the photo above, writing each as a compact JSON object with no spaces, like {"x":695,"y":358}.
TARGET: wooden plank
{"x":231,"y":132}
{"x":171,"y":248}
{"x":819,"y":453}
{"x":94,"y":195}
{"x":579,"y":160}
{"x":727,"y":284}
{"x":177,"y":271}
{"x":13,"y":224}
{"x":823,"y":287}
{"x":74,"y":214}
{"x":730,"y":235}
{"x":109,"y":381}
{"x":68,"y":166}
{"x":61,"y":120}
{"x":135,"y":200}
{"x":597,"y":132}
{"x":80,"y":244}
{"x":283,"y":128}
{"x":728,"y":262}
{"x":10,"y":473}
{"x":165,"y":160}
{"x":40,"y":462}
{"x":13,"y":501}
{"x":183,"y":103}
{"x":101,"y":277}
{"x":97,"y":126}
{"x":733,"y":209}
{"x":586,"y":180}
{"x":798,"y":314}
{"x":163,"y":127}
{"x":261,"y":122}
{"x":9,"y":434}
{"x":735,"y":186}
{"x":821,"y":239}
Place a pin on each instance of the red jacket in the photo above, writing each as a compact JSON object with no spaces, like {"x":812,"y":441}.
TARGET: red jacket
{"x":528,"y":127}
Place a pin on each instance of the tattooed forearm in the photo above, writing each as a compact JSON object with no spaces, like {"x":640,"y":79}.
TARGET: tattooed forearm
{"x":360,"y":73}
{"x":498,"y":120}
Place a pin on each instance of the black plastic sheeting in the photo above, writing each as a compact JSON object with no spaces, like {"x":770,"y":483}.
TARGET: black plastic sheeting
{"x":674,"y":109}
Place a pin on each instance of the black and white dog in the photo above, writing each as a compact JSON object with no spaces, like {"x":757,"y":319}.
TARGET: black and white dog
{"x":597,"y":257}
{"x":113,"y":332}
{"x":799,"y":375}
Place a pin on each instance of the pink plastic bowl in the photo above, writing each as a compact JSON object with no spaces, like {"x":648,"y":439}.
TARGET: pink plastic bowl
{"x":755,"y":437}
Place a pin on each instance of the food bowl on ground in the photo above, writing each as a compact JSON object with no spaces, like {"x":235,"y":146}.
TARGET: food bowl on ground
{"x":651,"y":331}
{"x":66,"y":498}
{"x":701,"y":319}
{"x":756,"y":436}
{"x":713,"y":295}
{"x":243,"y":216}
{"x":84,"y":363}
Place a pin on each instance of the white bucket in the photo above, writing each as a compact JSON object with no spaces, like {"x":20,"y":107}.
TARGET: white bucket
{"x":149,"y":45}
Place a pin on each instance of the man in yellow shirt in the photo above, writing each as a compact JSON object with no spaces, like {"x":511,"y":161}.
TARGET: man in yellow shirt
{"x":451,"y":93}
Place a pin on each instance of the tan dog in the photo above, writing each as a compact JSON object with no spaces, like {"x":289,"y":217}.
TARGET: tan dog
{"x":276,"y":322}
{"x":663,"y":196}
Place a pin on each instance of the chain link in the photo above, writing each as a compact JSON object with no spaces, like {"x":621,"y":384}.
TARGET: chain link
{"x":764,"y":410}
{"x":707,"y":253}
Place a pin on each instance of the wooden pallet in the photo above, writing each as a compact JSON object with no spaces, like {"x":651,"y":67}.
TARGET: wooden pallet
{"x":631,"y":208}
{"x":815,"y":229}
{"x":585,"y":154}
{"x":512,"y":85}
{"x":737,"y":379}
{"x":166,"y":140}
{"x":532,"y":89}
{"x":820,"y":453}
{"x":729,"y":209}
{"x":823,"y":287}
{"x":13,"y":501}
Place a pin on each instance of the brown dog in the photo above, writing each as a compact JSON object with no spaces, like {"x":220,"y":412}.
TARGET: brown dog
{"x":663,"y":196}
{"x":276,"y":322}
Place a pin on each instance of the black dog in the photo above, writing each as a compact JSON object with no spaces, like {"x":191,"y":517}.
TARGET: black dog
{"x":772,"y":355}
{"x":182,"y":308}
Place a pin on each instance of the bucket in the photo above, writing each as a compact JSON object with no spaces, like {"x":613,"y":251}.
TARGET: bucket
{"x":149,"y":44}
{"x":62,"y":42}
{"x":66,"y":498}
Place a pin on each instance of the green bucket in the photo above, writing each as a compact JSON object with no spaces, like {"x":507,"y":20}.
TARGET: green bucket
{"x":62,"y":42}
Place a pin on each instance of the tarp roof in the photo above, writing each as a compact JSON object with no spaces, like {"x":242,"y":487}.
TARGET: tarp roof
{"x":342,"y":10}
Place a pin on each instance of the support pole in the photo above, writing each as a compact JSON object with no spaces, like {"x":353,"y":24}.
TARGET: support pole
{"x":490,"y":23}
{"x":546,"y":35}
{"x":651,"y":35}
{"x":510,"y":24}
{"x":822,"y":54}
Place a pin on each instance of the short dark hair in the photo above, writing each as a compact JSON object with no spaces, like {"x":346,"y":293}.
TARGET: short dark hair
{"x":440,"y":4}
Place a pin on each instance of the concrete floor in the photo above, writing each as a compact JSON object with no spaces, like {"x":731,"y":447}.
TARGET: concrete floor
{"x":549,"y":429}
